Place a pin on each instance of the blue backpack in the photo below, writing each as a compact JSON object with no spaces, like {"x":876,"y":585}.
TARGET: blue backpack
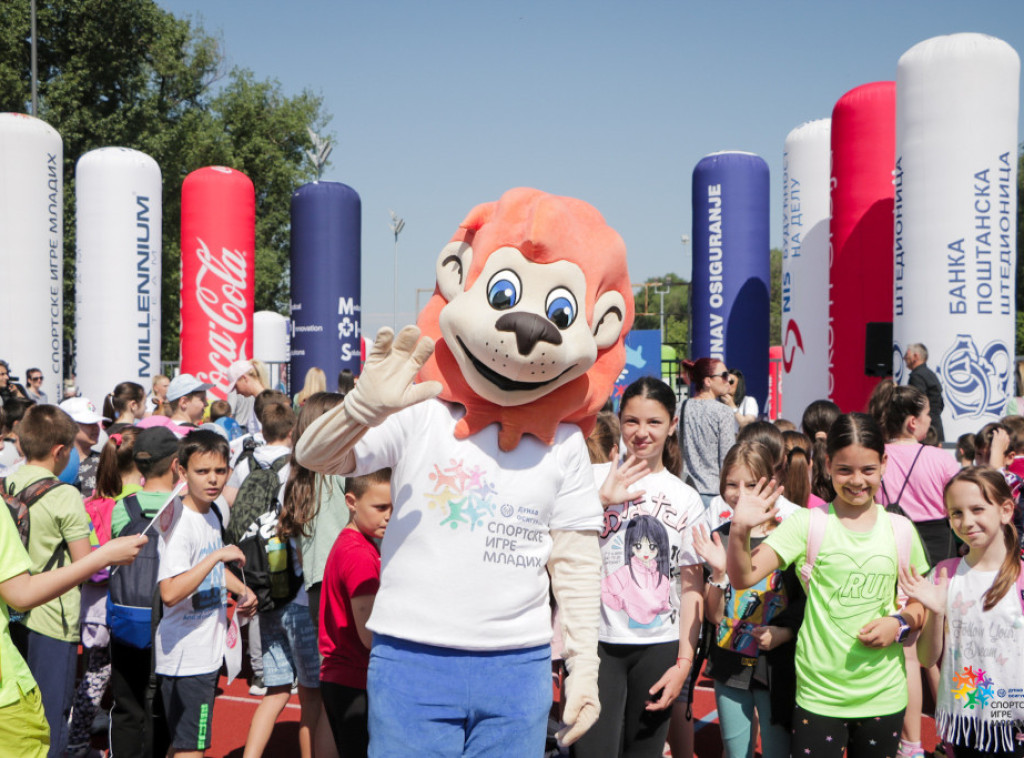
{"x":133,"y":596}
{"x":132,"y":590}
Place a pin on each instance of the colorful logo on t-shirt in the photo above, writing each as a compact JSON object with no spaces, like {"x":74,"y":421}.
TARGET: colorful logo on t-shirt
{"x":973,"y":687}
{"x":463,"y":496}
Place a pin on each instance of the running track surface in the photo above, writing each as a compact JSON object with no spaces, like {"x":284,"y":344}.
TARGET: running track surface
{"x":234,"y":708}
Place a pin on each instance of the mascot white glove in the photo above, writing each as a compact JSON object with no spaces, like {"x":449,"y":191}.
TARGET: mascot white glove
{"x":385,"y":387}
{"x":575,"y":568}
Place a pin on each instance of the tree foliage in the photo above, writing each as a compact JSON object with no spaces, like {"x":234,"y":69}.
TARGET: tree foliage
{"x":674,"y":291}
{"x":131,"y":74}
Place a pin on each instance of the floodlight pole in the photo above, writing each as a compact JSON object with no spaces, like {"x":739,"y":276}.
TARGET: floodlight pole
{"x":396,"y":225}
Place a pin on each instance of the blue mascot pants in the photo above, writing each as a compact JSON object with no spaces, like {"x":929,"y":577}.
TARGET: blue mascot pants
{"x":436,"y":701}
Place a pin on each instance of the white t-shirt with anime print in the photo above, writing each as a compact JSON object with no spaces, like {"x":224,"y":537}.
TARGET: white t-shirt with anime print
{"x":190,"y":637}
{"x":644,"y":544}
{"x":464,"y":558}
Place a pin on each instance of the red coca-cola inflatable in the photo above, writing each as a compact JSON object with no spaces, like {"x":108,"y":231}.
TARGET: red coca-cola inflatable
{"x":218,"y":278}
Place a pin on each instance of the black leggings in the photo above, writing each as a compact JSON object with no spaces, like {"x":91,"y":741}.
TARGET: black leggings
{"x":867,"y":737}
{"x":347,"y":715}
{"x":968,"y":737}
{"x":625,"y":727}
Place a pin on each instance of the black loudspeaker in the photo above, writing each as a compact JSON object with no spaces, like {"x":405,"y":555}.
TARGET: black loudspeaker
{"x":878,"y":348}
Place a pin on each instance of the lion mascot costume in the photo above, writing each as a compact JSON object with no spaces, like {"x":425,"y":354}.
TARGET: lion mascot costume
{"x":481,"y":413}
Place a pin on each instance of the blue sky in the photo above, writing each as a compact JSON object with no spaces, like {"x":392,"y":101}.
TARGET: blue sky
{"x":438,"y":106}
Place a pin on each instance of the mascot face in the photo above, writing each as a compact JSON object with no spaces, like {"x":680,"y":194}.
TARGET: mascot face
{"x":521,"y":330}
{"x":531,"y":307}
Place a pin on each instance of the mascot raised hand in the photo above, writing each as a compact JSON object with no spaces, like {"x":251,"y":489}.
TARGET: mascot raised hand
{"x":492,"y":485}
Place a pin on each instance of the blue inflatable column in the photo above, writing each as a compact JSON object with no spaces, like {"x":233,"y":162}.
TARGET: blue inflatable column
{"x":731,"y":265}
{"x":325,"y":252}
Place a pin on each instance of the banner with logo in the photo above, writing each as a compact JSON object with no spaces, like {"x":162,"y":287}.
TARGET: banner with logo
{"x":956,"y":221}
{"x":731,"y":265}
{"x":218,"y":277}
{"x":806,"y":163}
{"x":643,"y":358}
{"x":118,"y":236}
{"x":326,"y":287}
{"x":32,"y":249}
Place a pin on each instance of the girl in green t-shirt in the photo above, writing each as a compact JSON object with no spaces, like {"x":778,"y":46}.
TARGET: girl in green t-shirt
{"x":851,"y":681}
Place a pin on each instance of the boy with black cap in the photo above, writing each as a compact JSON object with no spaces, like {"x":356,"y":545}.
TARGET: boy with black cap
{"x":137,"y":726}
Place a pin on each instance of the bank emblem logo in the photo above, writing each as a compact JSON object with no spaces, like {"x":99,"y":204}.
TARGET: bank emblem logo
{"x":975,"y":382}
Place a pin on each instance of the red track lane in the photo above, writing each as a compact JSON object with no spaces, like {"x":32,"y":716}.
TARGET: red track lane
{"x":234,"y":709}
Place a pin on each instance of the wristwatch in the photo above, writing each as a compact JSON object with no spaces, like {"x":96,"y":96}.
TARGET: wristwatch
{"x":723,"y":585}
{"x":904,"y":629}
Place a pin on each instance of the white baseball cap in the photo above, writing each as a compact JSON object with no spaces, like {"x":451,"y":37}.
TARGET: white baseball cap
{"x":236,"y":371}
{"x":81,"y":410}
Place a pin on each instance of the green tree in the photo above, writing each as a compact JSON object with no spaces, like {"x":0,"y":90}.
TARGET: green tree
{"x":648,"y":303}
{"x":142,"y":78}
{"x":775,"y":298}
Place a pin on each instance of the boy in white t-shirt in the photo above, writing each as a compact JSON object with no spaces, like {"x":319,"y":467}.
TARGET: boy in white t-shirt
{"x":189,"y":642}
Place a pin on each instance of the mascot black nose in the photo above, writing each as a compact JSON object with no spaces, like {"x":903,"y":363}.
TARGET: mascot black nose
{"x":529,"y":329}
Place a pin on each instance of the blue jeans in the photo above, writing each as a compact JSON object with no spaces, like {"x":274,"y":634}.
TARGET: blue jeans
{"x":289,"y":647}
{"x":436,"y":701}
{"x":736,"y":716}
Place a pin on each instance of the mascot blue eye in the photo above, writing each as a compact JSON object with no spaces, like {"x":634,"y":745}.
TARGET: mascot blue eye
{"x":504,"y":289}
{"x":561,"y":307}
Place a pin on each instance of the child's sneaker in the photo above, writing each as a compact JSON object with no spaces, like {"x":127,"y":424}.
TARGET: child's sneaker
{"x":256,"y":689}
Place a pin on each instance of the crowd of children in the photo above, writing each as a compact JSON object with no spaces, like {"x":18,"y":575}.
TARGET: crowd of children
{"x":837,"y":573}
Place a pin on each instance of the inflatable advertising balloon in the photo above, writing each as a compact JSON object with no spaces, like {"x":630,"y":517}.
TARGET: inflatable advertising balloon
{"x":956,"y":221}
{"x":32,"y":248}
{"x":731,"y":265}
{"x":218,"y":231}
{"x":326,"y":309}
{"x":118,"y":227}
{"x":860,"y":272}
{"x":805,"y":213}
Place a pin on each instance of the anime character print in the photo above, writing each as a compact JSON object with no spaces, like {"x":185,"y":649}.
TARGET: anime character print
{"x":641,"y":587}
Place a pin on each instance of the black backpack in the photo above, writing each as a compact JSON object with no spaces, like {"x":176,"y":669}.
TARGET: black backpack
{"x":130,"y":592}
{"x":269,"y":565}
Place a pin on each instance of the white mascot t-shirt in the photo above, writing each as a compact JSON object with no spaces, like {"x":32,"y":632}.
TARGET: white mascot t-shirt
{"x":464,"y":558}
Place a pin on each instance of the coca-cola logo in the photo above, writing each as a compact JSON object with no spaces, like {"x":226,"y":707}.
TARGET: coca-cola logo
{"x":222,"y":299}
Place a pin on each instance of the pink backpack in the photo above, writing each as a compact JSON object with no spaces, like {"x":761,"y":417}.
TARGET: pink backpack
{"x":100,"y":510}
{"x":951,"y":564}
{"x":902,"y":530}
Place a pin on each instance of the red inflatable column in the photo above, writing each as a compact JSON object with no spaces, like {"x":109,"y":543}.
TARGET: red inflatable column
{"x":860,"y":234}
{"x":218,"y":277}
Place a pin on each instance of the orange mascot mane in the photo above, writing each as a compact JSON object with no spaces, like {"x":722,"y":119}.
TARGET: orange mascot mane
{"x":544,"y":229}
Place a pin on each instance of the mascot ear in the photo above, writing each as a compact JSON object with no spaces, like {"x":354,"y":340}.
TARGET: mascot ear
{"x":609,"y":315}
{"x":453,"y":268}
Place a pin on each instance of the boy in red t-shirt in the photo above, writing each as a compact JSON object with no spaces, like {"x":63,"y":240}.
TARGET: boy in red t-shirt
{"x":350,"y":584}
